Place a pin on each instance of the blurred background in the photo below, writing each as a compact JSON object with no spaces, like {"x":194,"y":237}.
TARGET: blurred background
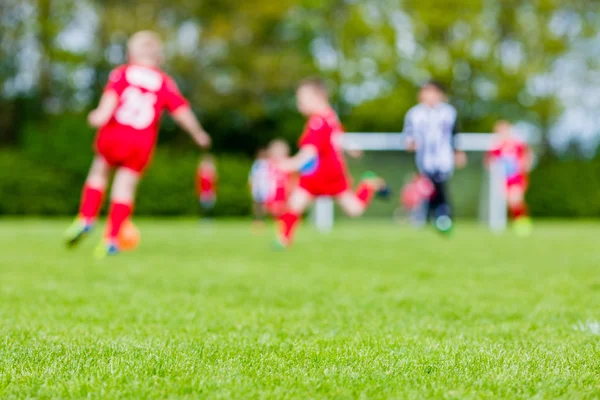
{"x":535,"y":62}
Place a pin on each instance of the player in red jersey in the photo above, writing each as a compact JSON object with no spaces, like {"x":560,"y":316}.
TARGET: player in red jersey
{"x":321,"y":164}
{"x":516,"y":158}
{"x":127,"y":119}
{"x":281,"y":182}
{"x":206,"y":184}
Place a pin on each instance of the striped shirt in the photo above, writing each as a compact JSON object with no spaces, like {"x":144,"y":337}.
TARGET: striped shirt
{"x":432,"y":129}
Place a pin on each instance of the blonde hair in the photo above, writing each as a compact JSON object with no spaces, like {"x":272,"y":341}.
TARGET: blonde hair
{"x":317,"y":85}
{"x":279,"y":144}
{"x":145,"y":47}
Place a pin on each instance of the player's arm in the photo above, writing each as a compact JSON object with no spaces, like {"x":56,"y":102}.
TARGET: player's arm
{"x":304,"y":157}
{"x":528,"y":158}
{"x":409,"y":133}
{"x":352,"y":149}
{"x":460,"y":157}
{"x":185,"y":118}
{"x":105,"y":110}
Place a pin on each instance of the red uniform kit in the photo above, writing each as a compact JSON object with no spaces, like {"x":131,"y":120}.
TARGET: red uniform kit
{"x":206,"y":184}
{"x":280,"y":188}
{"x":129,"y":138}
{"x":326,"y":175}
{"x":513,"y":154}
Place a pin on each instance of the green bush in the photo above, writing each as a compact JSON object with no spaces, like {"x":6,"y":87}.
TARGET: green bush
{"x":565,"y":188}
{"x":30,"y":187}
{"x":169,"y":188}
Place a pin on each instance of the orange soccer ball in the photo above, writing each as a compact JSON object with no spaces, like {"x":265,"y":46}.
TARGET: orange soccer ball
{"x":129,"y":236}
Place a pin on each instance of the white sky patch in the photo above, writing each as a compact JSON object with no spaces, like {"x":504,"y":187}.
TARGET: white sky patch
{"x":79,"y":35}
{"x":372,"y":14}
{"x":511,"y":55}
{"x":577,"y":87}
{"x":461,"y":31}
{"x":188,"y":38}
{"x":405,"y":42}
{"x":485,"y":89}
{"x":324,"y":53}
{"x":368,"y":67}
{"x":223,"y":83}
{"x":540,"y":85}
{"x":480,"y":49}
{"x":565,"y":23}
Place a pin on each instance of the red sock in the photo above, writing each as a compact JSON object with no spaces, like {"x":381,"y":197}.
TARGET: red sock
{"x":119,"y":213}
{"x":91,"y":202}
{"x":365,"y":193}
{"x":287,"y":226}
{"x":519,"y":211}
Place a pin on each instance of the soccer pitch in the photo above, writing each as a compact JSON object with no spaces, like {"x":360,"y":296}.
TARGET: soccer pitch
{"x":373,"y":311}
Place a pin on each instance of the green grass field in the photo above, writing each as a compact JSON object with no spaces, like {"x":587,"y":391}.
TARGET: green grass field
{"x":373,"y":311}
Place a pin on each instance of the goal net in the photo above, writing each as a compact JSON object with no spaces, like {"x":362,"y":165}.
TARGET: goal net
{"x":476,"y":192}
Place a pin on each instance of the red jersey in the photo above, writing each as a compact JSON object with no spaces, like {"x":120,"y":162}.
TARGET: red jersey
{"x":513,"y":154}
{"x":206,"y":181}
{"x":128,"y":139}
{"x":280,"y":184}
{"x":325,"y":133}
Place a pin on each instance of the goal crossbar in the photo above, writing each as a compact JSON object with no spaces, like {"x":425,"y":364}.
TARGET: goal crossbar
{"x":495,"y":217}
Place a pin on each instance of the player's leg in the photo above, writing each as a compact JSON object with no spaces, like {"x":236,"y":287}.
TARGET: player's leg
{"x":259,"y":213}
{"x":517,"y":207}
{"x":91,"y":201}
{"x":440,"y":208}
{"x":356,"y":203}
{"x":121,"y":207}
{"x":299,"y":201}
{"x":207,"y":205}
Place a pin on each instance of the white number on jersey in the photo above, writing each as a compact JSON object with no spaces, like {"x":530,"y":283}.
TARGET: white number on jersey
{"x":137,"y":108}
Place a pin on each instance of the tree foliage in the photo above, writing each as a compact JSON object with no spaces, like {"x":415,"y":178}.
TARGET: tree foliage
{"x":239,"y":62}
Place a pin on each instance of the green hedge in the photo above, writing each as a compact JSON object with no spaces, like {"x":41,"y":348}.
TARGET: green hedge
{"x":29,"y":187}
{"x":45,"y":176}
{"x":565,"y":188}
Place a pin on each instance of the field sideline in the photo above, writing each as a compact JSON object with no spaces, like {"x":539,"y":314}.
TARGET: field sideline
{"x":372,"y":311}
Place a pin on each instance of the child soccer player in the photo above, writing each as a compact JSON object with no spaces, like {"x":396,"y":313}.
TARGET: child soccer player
{"x":281,"y":181}
{"x":430,"y":128}
{"x":206,"y":184}
{"x":259,"y":182}
{"x":127,"y":119}
{"x":516,"y":159}
{"x":414,"y":198}
{"x":321,"y":164}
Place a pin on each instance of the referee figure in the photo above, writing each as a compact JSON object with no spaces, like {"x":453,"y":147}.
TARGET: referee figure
{"x":430,"y":128}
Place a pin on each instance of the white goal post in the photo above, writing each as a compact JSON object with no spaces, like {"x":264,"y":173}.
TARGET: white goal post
{"x":495,"y":216}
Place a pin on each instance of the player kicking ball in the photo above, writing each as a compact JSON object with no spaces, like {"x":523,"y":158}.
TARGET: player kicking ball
{"x":516,"y":159}
{"x":321,"y":164}
{"x":127,"y":119}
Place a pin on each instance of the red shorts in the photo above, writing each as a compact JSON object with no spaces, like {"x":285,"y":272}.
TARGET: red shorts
{"x":119,"y":151}
{"x":276,"y":208}
{"x":519,"y":182}
{"x":325,"y":185}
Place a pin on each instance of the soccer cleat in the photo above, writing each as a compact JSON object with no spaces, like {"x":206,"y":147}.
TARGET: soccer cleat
{"x":78,"y":230}
{"x":444,"y":225}
{"x":382,"y":190}
{"x":279,"y":245}
{"x":523,"y":227}
{"x":106,"y":249}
